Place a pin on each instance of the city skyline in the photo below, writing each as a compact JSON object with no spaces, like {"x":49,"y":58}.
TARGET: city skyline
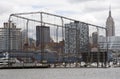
{"x":75,"y":36}
{"x":82,"y":10}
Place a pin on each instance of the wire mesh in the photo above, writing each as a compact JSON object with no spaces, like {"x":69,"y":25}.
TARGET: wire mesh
{"x":57,"y":39}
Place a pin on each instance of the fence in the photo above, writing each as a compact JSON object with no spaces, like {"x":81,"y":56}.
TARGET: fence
{"x":56,"y":38}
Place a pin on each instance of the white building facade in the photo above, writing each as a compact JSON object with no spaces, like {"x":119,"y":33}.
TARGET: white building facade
{"x":112,"y":43}
{"x":10,"y":39}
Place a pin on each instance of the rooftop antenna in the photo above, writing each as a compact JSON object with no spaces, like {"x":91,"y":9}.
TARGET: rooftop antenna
{"x":110,"y":10}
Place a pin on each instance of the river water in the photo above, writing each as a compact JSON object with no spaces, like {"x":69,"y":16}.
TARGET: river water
{"x":61,"y":73}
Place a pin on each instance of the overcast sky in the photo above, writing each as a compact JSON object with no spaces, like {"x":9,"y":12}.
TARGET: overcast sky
{"x":91,"y":11}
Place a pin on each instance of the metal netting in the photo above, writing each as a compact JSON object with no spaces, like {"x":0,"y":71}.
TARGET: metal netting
{"x":56,"y":38}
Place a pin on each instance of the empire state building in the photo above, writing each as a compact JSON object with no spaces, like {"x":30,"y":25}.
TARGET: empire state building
{"x":110,"y":25}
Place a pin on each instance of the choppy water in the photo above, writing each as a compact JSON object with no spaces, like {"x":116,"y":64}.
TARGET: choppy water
{"x":61,"y":73}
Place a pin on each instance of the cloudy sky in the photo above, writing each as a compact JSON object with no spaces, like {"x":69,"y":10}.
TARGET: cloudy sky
{"x":90,"y":11}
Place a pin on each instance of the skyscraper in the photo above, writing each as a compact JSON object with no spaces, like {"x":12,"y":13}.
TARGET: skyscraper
{"x":110,"y":25}
{"x":42,"y":35}
{"x":76,"y":37}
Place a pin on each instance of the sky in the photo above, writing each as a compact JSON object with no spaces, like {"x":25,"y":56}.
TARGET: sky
{"x":90,"y":11}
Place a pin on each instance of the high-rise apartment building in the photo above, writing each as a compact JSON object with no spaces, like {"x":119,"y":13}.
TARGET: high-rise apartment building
{"x":10,"y":37}
{"x":76,"y":37}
